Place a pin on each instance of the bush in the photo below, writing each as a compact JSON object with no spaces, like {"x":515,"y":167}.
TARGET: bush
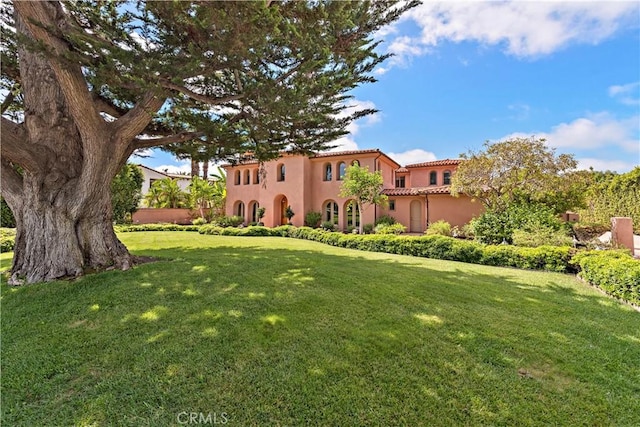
{"x":229,"y":221}
{"x":199,"y":221}
{"x":615,"y":272}
{"x":497,"y":227}
{"x":6,"y":215}
{"x":328,"y":225}
{"x":7,"y":239}
{"x":544,"y":236}
{"x":441,"y":227}
{"x":396,"y":228}
{"x":368,"y":228}
{"x":312,"y":219}
{"x":386,"y":220}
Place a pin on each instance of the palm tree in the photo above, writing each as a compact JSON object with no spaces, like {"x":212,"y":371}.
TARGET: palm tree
{"x":201,"y":193}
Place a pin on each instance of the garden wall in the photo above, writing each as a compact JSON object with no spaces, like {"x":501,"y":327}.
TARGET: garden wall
{"x":158,"y":215}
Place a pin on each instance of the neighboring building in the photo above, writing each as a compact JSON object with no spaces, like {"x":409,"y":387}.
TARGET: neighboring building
{"x":418,"y":193}
{"x":151,"y":175}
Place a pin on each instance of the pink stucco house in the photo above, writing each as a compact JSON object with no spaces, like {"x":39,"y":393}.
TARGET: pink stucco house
{"x":418,"y":193}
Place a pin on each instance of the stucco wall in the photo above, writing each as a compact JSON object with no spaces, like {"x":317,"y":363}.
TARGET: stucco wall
{"x":173,"y":216}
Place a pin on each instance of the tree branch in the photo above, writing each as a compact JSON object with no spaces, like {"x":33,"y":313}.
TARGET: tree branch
{"x":40,"y":19}
{"x":11,"y":185}
{"x":14,"y":147}
{"x":105,"y":106}
{"x":138,"y":118}
{"x":9,"y":99}
{"x":199,"y":97}
{"x":157,"y":142}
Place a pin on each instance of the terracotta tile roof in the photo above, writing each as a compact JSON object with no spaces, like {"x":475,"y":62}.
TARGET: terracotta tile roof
{"x":417,"y":191}
{"x":345,"y":153}
{"x":402,"y":169}
{"x":444,"y":162}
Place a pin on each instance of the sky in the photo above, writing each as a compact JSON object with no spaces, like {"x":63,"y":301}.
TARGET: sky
{"x":468,"y":72}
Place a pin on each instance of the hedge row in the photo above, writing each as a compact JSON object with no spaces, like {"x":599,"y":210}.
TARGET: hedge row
{"x":125,"y":228}
{"x":547,"y":258}
{"x":615,"y":272}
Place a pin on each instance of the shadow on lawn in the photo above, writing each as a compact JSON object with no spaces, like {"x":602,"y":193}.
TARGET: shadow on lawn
{"x":252,"y":323}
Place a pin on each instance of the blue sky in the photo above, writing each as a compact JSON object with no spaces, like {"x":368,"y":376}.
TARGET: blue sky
{"x":467,"y":72}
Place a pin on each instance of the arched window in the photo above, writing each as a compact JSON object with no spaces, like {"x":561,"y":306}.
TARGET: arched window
{"x":331,"y":211}
{"x":253,"y":209}
{"x":247,"y":177}
{"x":446,"y":178}
{"x":256,"y":176}
{"x":353,"y":214}
{"x":342,"y":170}
{"x":355,"y":162}
{"x":281,"y":172}
{"x":237,"y":178}
{"x":433,"y":178}
{"x":327,"y":172}
{"x":239,"y":210}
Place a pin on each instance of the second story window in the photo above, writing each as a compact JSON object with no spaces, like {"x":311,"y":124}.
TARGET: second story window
{"x":237,"y":178}
{"x":446,"y":178}
{"x":342,"y":170}
{"x":433,"y":178}
{"x":327,"y":172}
{"x":256,"y":176}
{"x":400,"y":182}
{"x":281,"y":172}
{"x":247,"y":177}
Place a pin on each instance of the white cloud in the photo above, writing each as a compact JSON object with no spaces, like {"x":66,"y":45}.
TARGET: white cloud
{"x":595,"y":131}
{"x":628,"y":94}
{"x":347,"y":142}
{"x":413,"y":156}
{"x":523,"y":29}
{"x":605,"y":165}
{"x":179,"y":167}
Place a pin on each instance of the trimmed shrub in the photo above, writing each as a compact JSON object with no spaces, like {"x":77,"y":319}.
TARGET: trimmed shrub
{"x":283,"y":231}
{"x":154,"y":227}
{"x":210,"y":229}
{"x":396,"y":228}
{"x":328,"y":225}
{"x":7,"y":239}
{"x":199,"y":221}
{"x":441,"y":227}
{"x":368,"y":228}
{"x":549,"y":258}
{"x":312,"y":219}
{"x":229,"y":221}
{"x":615,"y":272}
{"x":386,"y":219}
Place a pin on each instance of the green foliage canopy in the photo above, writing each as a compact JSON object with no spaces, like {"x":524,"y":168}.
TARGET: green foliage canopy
{"x":126,"y":192}
{"x":517,"y":169}
{"x":363,"y":186}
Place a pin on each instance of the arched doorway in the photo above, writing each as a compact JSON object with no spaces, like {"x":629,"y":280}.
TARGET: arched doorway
{"x":415,"y":225}
{"x":283,"y":210}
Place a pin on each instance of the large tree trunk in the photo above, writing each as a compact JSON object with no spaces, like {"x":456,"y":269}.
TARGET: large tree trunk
{"x":53,"y":242}
{"x":68,"y":156}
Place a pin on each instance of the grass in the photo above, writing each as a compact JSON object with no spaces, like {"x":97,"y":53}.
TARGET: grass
{"x":272,"y":331}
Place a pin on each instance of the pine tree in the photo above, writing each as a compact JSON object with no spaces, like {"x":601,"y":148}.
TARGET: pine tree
{"x":88,"y":82}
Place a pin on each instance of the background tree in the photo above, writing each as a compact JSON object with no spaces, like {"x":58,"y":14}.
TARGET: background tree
{"x":364,"y":187}
{"x":201,"y":193}
{"x":611,"y":194}
{"x":515,"y":170}
{"x":88,"y":83}
{"x":166,"y":193}
{"x":126,"y":192}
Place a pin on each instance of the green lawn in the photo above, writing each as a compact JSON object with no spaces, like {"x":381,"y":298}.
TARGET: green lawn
{"x":275,"y":331}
